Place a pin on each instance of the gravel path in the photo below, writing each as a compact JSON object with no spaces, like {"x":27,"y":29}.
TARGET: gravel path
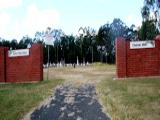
{"x":71,"y":103}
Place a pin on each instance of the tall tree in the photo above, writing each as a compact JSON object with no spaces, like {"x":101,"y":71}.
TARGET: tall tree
{"x":151,"y":19}
{"x":118,"y":28}
{"x":104,"y":41}
{"x":148,"y":30}
{"x":132,"y":33}
{"x":24,"y":42}
{"x":151,"y":11}
{"x":87,"y":40}
{"x":14,"y":44}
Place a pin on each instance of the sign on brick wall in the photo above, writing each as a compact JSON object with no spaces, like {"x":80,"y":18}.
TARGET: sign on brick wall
{"x":134,"y":61}
{"x":21,"y":69}
{"x":142,"y":44}
{"x":16,"y":53}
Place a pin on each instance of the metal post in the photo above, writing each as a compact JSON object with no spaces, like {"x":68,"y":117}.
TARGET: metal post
{"x":57,"y":55}
{"x":48,"y":64}
{"x":81,"y":55}
{"x":92,"y":54}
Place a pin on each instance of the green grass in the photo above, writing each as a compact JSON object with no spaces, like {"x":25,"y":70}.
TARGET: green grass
{"x":128,"y":99}
{"x":99,"y":64}
{"x":18,"y":99}
{"x":131,"y":99}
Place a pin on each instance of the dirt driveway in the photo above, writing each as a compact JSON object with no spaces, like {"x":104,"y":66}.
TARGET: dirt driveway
{"x":82,"y":75}
{"x":76,"y":99}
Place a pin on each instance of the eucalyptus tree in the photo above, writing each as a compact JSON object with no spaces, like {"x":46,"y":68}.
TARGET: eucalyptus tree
{"x":81,"y":32}
{"x":57,"y":34}
{"x":104,"y":41}
{"x":39,"y":37}
{"x":148,"y":30}
{"x":87,"y":37}
{"x":106,"y":36}
{"x":14,"y":44}
{"x":151,"y":19}
{"x":132,"y":33}
{"x":151,"y":11}
{"x":4,"y":43}
{"x":24,"y":42}
{"x":71,"y":49}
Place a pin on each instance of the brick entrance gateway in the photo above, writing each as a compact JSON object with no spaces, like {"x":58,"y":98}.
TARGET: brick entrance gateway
{"x":137,"y":59}
{"x":21,"y":67}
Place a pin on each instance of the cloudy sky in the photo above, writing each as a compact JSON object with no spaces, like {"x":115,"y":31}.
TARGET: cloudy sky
{"x":25,"y":17}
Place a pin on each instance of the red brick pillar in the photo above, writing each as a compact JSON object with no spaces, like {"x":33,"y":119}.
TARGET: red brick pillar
{"x":121,"y":57}
{"x":2,"y":64}
{"x":37,"y":62}
{"x":158,"y":47}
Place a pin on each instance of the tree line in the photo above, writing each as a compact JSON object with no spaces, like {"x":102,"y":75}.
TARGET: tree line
{"x":90,"y":45}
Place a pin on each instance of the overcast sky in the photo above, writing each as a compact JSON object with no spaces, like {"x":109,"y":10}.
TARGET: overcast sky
{"x":25,"y":17}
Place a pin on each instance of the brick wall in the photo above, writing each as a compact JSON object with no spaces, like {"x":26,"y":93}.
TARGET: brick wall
{"x":137,"y":62}
{"x":121,"y":57}
{"x":2,"y":64}
{"x":25,"y":68}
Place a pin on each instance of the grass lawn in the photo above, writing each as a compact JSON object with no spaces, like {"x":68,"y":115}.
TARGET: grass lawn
{"x":131,"y":99}
{"x":128,"y":99}
{"x":18,"y":99}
